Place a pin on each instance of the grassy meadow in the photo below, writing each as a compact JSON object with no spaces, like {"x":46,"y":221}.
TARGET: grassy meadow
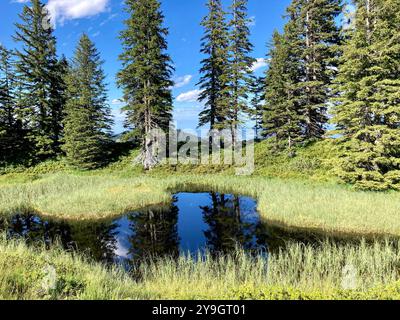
{"x":315,"y":206}
{"x":294,"y":194}
{"x":299,"y":272}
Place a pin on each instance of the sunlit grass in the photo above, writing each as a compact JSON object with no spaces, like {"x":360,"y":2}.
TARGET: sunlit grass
{"x":299,"y":272}
{"x":316,"y":206}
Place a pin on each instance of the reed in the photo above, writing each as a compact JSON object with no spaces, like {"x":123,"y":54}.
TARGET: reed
{"x":299,"y":272}
{"x":320,"y":207}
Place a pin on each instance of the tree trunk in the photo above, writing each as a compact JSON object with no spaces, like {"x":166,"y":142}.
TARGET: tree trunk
{"x":149,"y":159}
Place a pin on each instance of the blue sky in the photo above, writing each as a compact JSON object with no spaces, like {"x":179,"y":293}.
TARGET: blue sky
{"x":102,"y":20}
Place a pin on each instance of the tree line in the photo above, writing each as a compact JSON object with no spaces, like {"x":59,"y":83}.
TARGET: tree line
{"x":326,"y":70}
{"x":346,"y":75}
{"x":50,"y":106}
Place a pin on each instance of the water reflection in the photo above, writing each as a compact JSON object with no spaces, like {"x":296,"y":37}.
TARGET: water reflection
{"x":231,"y":222}
{"x":193,"y":222}
{"x":98,"y":240}
{"x":154,"y":233}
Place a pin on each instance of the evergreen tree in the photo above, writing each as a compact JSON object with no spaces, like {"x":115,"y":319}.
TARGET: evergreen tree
{"x":240,"y":65}
{"x":7,"y":91}
{"x":307,"y":54}
{"x":146,"y":74}
{"x":88,"y":118}
{"x":39,"y":74}
{"x":214,"y":83}
{"x":257,"y":89}
{"x":314,"y":38}
{"x":319,"y":42}
{"x":282,"y":113}
{"x":367,"y":111}
{"x":13,"y":144}
{"x":58,"y":96}
{"x":7,"y":104}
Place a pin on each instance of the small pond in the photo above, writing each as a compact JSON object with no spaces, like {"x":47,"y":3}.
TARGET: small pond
{"x":192,"y":223}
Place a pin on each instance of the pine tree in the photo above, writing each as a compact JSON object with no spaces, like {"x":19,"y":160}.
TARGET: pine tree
{"x":320,"y":40}
{"x":240,"y":64}
{"x":367,"y":111}
{"x":58,"y":99}
{"x":315,"y":39}
{"x":257,"y":88}
{"x":13,"y":144}
{"x":282,"y":112}
{"x":7,"y":87}
{"x":88,"y":117}
{"x":39,"y":73}
{"x":7,"y":104}
{"x":214,"y":83}
{"x":307,"y":54}
{"x":146,"y":74}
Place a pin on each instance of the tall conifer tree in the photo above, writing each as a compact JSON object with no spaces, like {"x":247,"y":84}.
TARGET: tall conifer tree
{"x":214,"y":82}
{"x":146,"y":74}
{"x":240,"y":64}
{"x":39,"y":73}
{"x":367,"y":111}
{"x":320,"y":40}
{"x":257,"y":88}
{"x":7,"y":91}
{"x":88,"y":117}
{"x":311,"y":48}
{"x":316,"y":42}
{"x":282,"y":113}
{"x":11,"y":136}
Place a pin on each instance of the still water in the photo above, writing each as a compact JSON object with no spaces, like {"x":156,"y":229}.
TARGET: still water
{"x":193,"y":223}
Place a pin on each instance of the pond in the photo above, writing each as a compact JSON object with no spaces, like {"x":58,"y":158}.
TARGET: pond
{"x":192,"y":223}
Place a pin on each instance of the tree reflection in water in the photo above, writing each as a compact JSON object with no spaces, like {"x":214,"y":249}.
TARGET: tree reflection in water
{"x":97,"y":240}
{"x":154,"y":233}
{"x":231,"y":225}
{"x":227,"y":222}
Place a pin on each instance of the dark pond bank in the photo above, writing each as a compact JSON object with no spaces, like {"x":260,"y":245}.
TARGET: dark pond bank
{"x":194,"y":222}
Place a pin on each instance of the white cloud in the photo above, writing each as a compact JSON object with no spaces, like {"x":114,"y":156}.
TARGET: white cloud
{"x":62,"y":10}
{"x":190,"y":96}
{"x":117,"y":102}
{"x":182,"y":81}
{"x":187,"y":114}
{"x":259,"y":63}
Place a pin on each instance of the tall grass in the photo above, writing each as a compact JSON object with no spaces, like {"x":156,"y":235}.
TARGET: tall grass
{"x":300,"y":272}
{"x":317,"y":206}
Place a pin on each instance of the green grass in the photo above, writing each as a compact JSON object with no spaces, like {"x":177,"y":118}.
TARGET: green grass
{"x":299,"y":272}
{"x":322,"y":207}
{"x":299,"y":193}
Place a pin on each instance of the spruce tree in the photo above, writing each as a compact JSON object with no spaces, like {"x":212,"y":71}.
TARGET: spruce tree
{"x":58,"y":99}
{"x":282,"y":113}
{"x":14,"y":146}
{"x":319,"y":43}
{"x":214,"y":83}
{"x":146,"y":74}
{"x":308,"y":55}
{"x":314,"y":38}
{"x":240,"y":65}
{"x":367,"y":111}
{"x":87,"y":121}
{"x":257,"y":90}
{"x":39,"y":73}
{"x":7,"y":104}
{"x":7,"y":90}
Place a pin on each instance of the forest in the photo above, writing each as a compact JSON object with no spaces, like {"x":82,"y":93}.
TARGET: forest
{"x":322,"y":198}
